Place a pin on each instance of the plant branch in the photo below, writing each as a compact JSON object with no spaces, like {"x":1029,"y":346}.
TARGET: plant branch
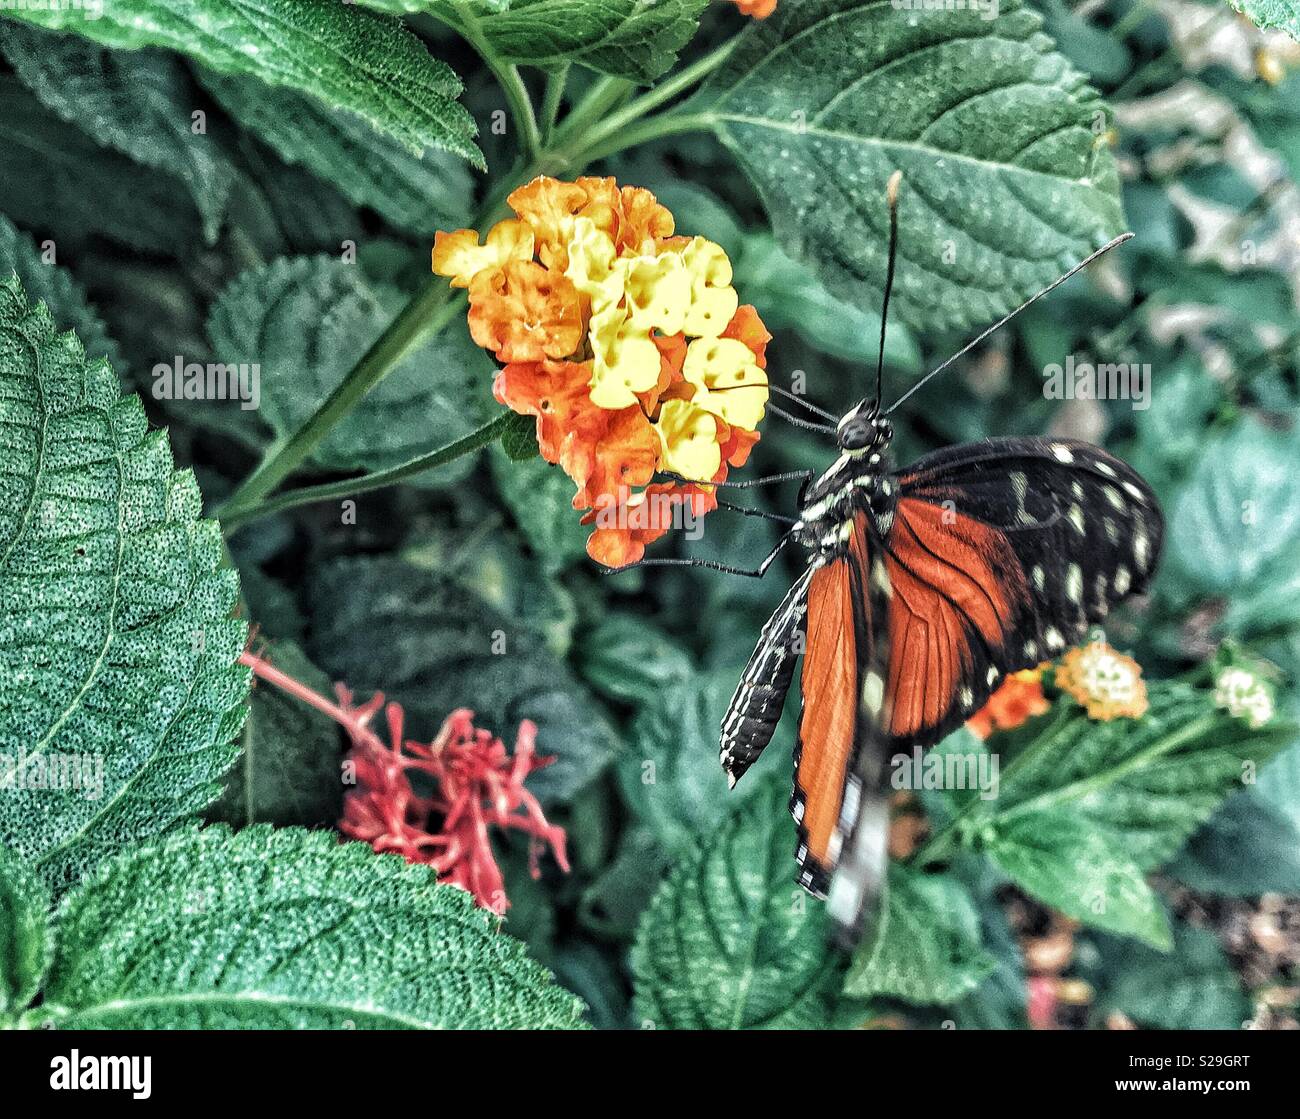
{"x":556,"y":81}
{"x":426,"y":314}
{"x":236,"y":517}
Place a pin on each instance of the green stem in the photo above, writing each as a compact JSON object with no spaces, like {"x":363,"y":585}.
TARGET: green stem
{"x":652,"y":128}
{"x":556,"y":81}
{"x":465,"y":24}
{"x":606,"y":93}
{"x":491,"y":431}
{"x":664,"y":92}
{"x":427,"y":313}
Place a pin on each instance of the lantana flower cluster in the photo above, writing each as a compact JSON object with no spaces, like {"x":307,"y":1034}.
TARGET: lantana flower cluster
{"x":628,"y":345}
{"x":1106,"y":684}
{"x":1244,"y":695}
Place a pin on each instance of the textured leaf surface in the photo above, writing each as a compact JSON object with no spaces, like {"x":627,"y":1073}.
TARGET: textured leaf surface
{"x":670,"y":773}
{"x":1235,"y":529}
{"x":54,"y":179}
{"x":637,"y":39}
{"x":286,"y":929}
{"x":118,"y":674}
{"x":1284,"y":15}
{"x":306,"y":321}
{"x":1191,"y":988}
{"x":429,"y":644}
{"x":1146,"y":784}
{"x":135,"y":102}
{"x":25,"y":940}
{"x":1005,"y":179}
{"x":730,"y":942}
{"x":55,"y":287}
{"x":1066,"y":863}
{"x":926,"y":947}
{"x":288,"y":769}
{"x":421,"y":193}
{"x":337,"y":52}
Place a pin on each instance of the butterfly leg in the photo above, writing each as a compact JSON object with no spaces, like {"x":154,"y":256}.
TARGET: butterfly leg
{"x":712,"y":565}
{"x":757,"y":513}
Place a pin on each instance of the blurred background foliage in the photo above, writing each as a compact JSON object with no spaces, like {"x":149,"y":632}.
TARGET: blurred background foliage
{"x":152,"y":247}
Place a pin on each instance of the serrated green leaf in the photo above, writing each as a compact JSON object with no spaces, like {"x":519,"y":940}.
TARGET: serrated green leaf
{"x":26,"y":940}
{"x":118,"y":650}
{"x":420,"y":193}
{"x":427,"y":643}
{"x":1283,"y":15}
{"x":636,"y":39}
{"x":1065,"y":862}
{"x":926,"y":946}
{"x":1006,"y":179}
{"x":730,"y":942}
{"x":56,"y":181}
{"x":136,"y":102}
{"x":519,"y":440}
{"x":305,"y":321}
{"x":288,"y":769}
{"x":337,"y":52}
{"x":286,"y":929}
{"x":1148,"y":783}
{"x":56,"y":288}
{"x":1193,"y":987}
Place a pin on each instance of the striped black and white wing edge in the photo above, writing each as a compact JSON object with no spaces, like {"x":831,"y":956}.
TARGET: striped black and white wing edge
{"x":755,"y":708}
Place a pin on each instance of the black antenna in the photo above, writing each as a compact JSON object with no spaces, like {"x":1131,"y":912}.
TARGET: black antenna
{"x":891,"y":195}
{"x":1007,"y":318}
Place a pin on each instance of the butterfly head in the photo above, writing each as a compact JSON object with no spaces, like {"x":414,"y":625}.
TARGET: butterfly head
{"x":864,"y":429}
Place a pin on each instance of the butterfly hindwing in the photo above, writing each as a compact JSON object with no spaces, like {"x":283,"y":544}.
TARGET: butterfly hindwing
{"x":1001,"y":554}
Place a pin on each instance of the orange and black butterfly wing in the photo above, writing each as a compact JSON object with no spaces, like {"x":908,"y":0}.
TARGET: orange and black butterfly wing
{"x":840,"y":751}
{"x":1000,"y":555}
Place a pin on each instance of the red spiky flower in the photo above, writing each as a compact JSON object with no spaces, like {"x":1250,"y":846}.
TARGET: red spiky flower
{"x":474,"y":785}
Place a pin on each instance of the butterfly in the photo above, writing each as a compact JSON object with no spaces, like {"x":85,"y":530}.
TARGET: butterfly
{"x":923,"y":589}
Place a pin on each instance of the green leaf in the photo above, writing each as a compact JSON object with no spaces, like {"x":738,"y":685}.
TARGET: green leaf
{"x":305,"y":321}
{"x":519,"y":440}
{"x":628,"y":659}
{"x":1191,"y":988}
{"x":336,"y":52}
{"x":427,"y":643}
{"x":1065,"y":862}
{"x":55,"y":287}
{"x":1006,"y":180}
{"x":730,"y":942}
{"x":121,"y":684}
{"x":288,"y":771}
{"x":670,"y":773}
{"x":1267,"y":14}
{"x":136,"y":102}
{"x":636,"y":39}
{"x":420,"y":193}
{"x":1247,"y":848}
{"x":540,"y":495}
{"x":926,"y":946}
{"x":55,"y":180}
{"x":612,"y":905}
{"x":286,"y":929}
{"x":1235,"y":529}
{"x":1148,"y":783}
{"x":26,"y":943}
